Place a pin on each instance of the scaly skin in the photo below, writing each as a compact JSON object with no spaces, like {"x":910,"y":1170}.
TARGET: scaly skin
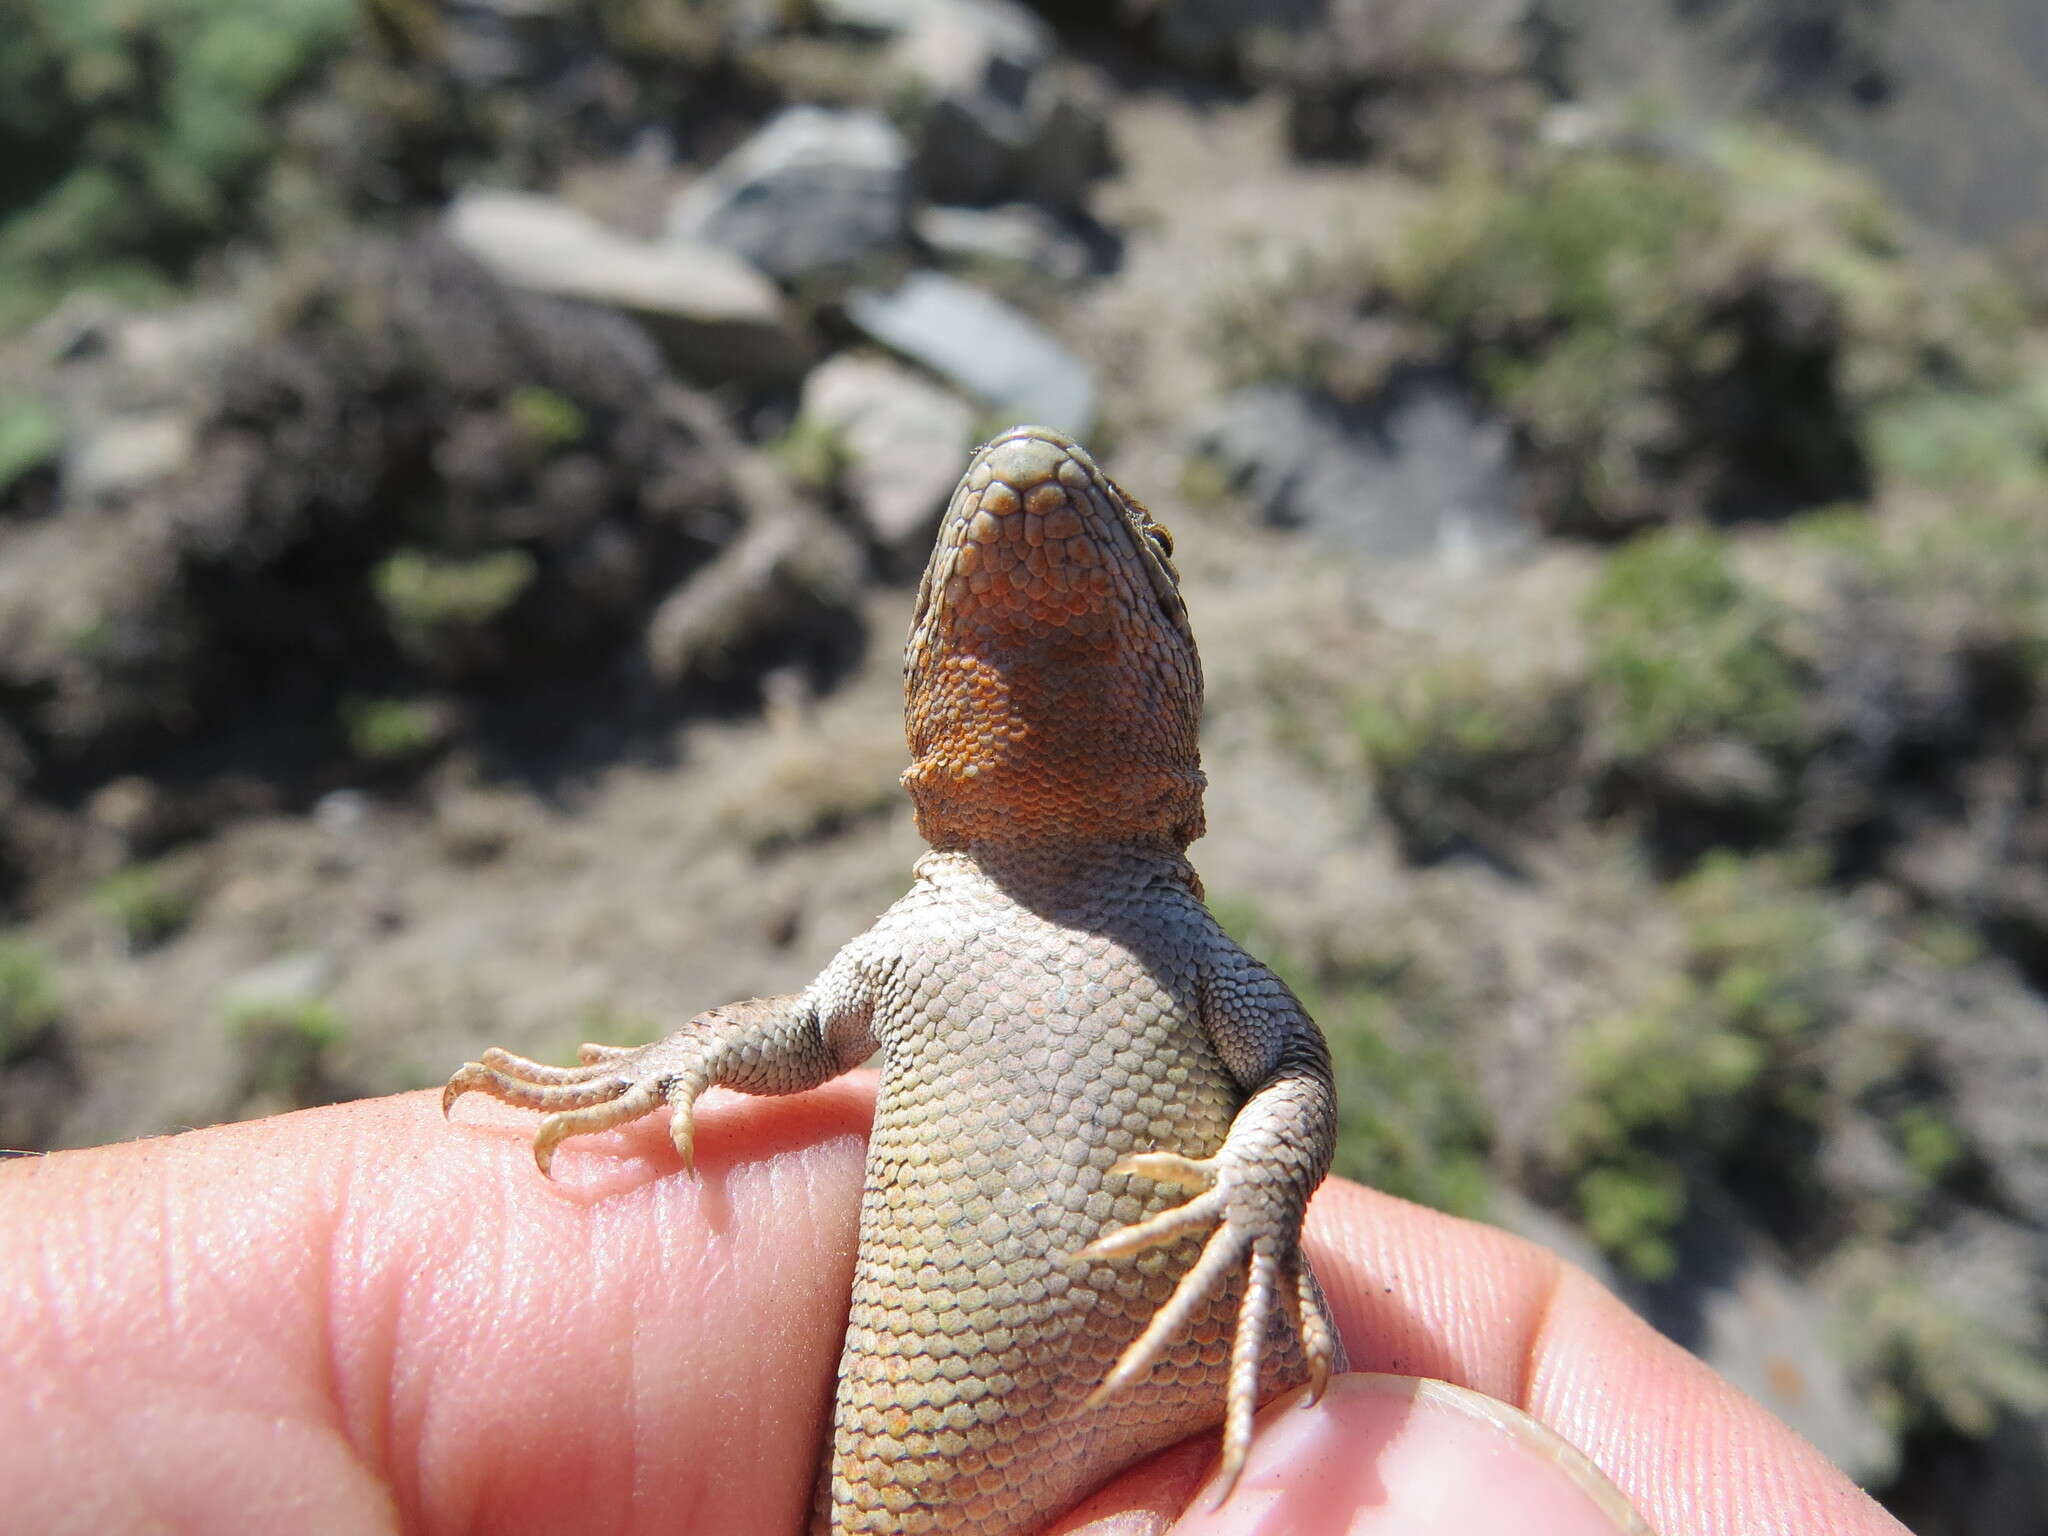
{"x":1100,"y":1120}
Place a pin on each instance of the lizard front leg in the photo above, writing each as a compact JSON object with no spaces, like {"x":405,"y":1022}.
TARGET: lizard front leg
{"x":766,"y":1045}
{"x":1253,"y":1191}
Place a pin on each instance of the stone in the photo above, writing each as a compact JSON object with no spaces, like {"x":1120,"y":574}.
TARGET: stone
{"x":992,"y":352}
{"x":817,"y":191}
{"x":125,"y":454}
{"x":1017,"y":234}
{"x":904,"y":439}
{"x":1003,"y":116}
{"x":1420,"y":474}
{"x":716,"y":316}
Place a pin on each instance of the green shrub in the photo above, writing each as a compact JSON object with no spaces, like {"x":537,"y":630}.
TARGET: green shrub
{"x":1587,"y":247}
{"x":1718,"y":1064}
{"x":1744,"y":329}
{"x":1457,"y":753}
{"x":392,"y":730}
{"x":430,"y":600}
{"x":1685,"y":650}
{"x":285,"y":1043}
{"x":29,"y":439}
{"x":148,"y":907}
{"x":811,"y":452}
{"x":545,"y":418}
{"x":1951,"y":439}
{"x":131,"y":133}
{"x":1941,"y":1362}
{"x":28,"y":996}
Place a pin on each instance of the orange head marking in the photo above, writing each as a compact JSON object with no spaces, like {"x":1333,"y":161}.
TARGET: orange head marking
{"x":1051,"y":688}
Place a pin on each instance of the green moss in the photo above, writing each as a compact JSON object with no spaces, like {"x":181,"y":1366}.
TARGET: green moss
{"x":28,"y":996}
{"x":1686,"y":650}
{"x":1929,"y":1141}
{"x":429,"y":599}
{"x":545,"y":418}
{"x":145,"y":904}
{"x":30,"y":439}
{"x":391,"y":730}
{"x":810,"y":452}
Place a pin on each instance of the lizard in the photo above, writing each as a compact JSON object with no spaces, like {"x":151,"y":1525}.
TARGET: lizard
{"x":1100,"y":1120}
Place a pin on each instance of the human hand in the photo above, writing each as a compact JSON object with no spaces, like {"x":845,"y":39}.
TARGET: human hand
{"x":361,"y":1319}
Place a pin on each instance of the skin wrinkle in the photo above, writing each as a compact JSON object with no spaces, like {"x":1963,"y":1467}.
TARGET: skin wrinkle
{"x":1546,"y":1307}
{"x":368,"y":1319}
{"x":328,"y":1286}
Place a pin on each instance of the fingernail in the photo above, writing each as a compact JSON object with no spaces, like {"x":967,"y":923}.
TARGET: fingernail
{"x":1401,"y":1456}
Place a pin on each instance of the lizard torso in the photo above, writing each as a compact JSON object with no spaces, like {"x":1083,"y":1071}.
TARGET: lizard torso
{"x":1069,"y":1045}
{"x":1055,"y":1013}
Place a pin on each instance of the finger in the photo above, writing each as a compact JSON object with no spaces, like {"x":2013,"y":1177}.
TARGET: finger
{"x":1422,"y":1294}
{"x":1397,"y":1455}
{"x":361,"y":1318}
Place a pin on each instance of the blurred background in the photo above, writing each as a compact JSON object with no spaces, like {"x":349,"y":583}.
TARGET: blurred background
{"x":464,"y":469}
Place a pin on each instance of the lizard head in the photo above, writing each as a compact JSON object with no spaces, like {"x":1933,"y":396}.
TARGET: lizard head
{"x":1052,"y":692}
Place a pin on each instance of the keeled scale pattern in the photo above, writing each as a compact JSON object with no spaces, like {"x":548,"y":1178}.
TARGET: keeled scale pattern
{"x":1047,"y":1014}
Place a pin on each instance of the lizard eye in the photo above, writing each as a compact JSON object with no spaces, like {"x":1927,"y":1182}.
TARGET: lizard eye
{"x":1161,"y":537}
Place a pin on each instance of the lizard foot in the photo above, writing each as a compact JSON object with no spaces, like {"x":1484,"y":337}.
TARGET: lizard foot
{"x":1250,"y":1236}
{"x":613,"y":1085}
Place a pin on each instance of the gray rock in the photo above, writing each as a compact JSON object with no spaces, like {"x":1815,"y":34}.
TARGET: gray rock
{"x":882,"y":18}
{"x":1019,"y":234}
{"x":819,"y":190}
{"x":125,"y":454}
{"x":714,"y":314}
{"x":1003,"y":116}
{"x":904,"y":437}
{"x":1421,"y":475}
{"x":1206,"y":34}
{"x":995,"y":354}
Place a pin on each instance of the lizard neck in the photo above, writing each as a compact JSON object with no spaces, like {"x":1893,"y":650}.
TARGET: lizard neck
{"x":1060,"y":877}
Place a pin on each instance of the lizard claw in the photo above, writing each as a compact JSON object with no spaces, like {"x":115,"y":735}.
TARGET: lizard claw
{"x":614,"y":1084}
{"x":1247,"y":1239}
{"x":1196,"y":1173}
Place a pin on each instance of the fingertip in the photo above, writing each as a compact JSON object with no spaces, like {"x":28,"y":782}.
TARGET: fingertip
{"x":1397,"y":1456}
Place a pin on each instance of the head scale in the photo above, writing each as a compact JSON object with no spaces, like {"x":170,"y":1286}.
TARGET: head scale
{"x":1052,"y":692}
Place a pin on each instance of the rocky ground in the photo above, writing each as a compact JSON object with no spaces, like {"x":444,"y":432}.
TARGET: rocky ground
{"x":453,"y":552}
